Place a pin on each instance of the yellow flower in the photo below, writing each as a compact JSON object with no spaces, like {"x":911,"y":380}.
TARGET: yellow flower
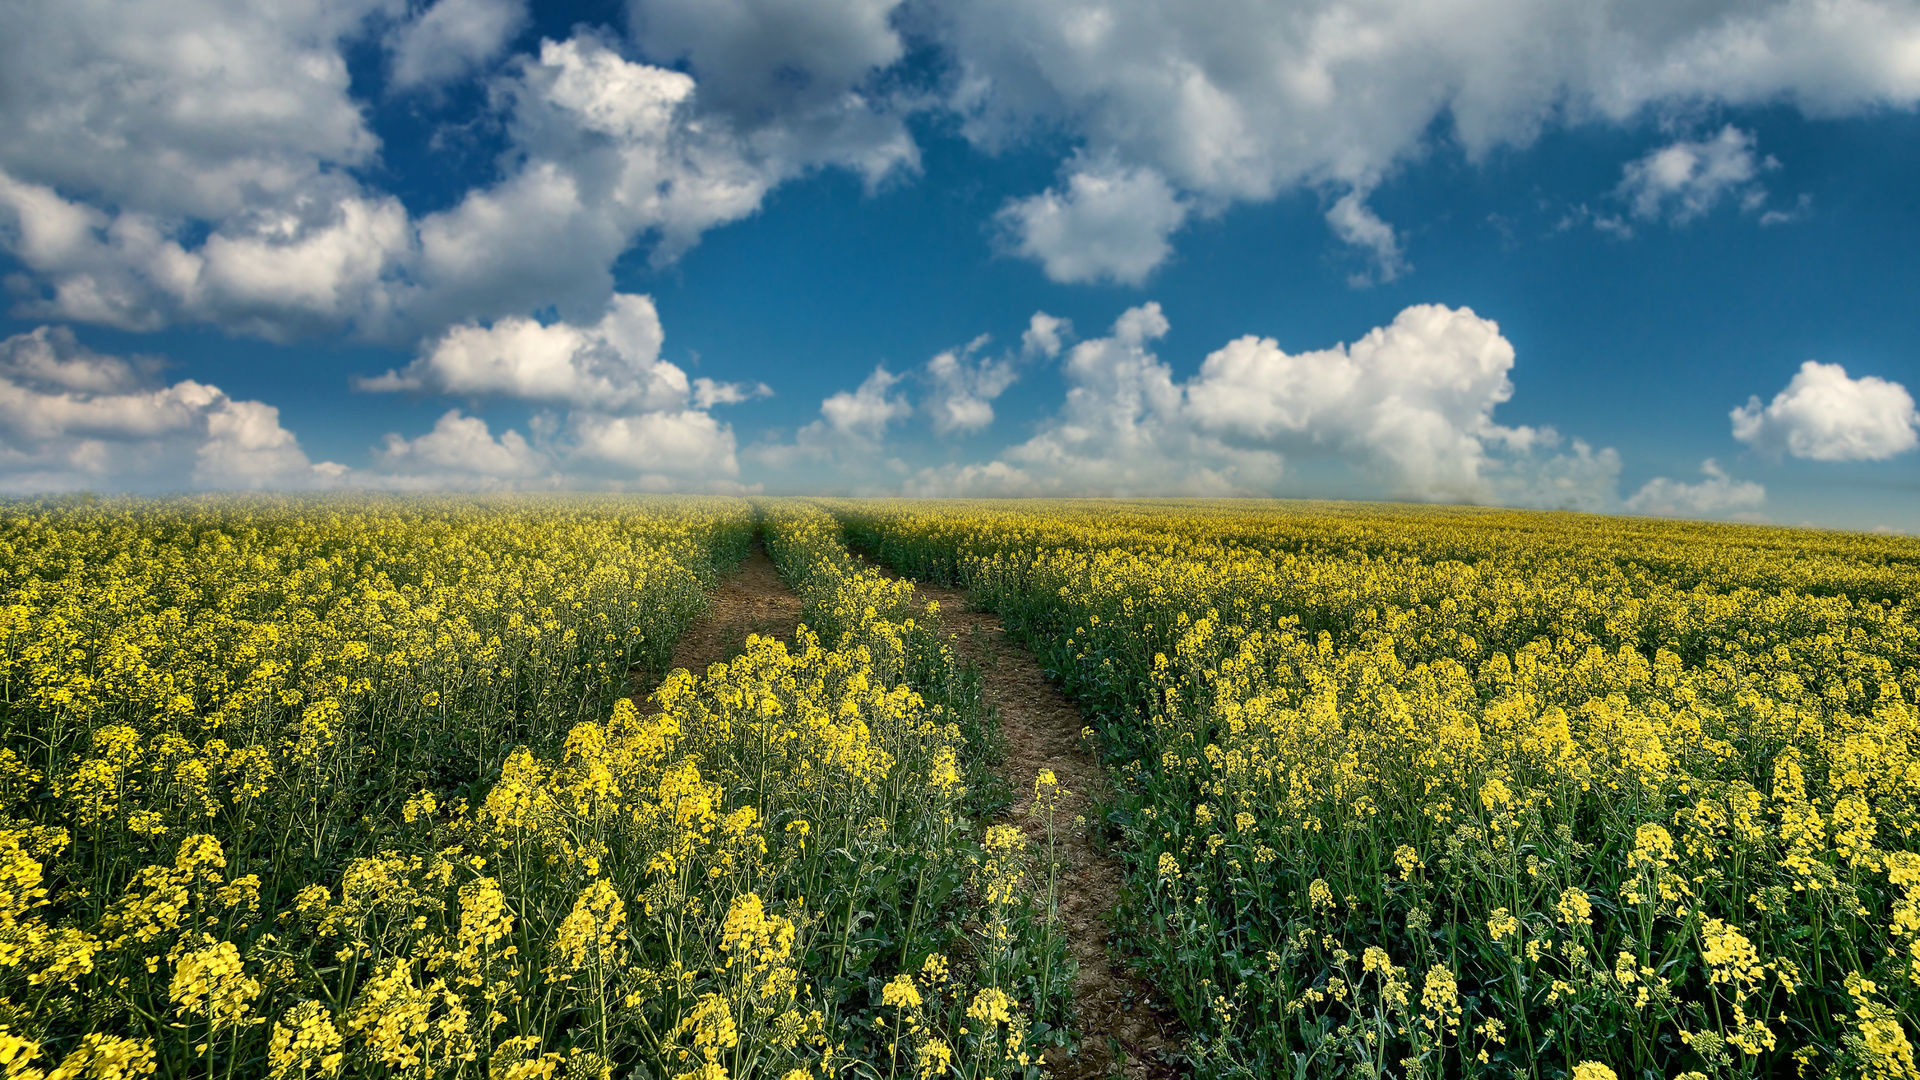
{"x":210,"y":984}
{"x":304,"y":1043}
{"x":1502,"y":925}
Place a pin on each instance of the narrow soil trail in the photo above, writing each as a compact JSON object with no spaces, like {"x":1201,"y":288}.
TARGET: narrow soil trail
{"x":754,"y":599}
{"x":1125,"y":1031}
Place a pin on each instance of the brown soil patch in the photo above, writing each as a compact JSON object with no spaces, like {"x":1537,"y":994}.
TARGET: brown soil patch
{"x":1125,"y":1031}
{"x":753,"y":600}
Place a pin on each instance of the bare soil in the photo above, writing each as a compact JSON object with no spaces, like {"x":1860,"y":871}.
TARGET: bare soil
{"x":753,"y":600}
{"x":1125,"y":1030}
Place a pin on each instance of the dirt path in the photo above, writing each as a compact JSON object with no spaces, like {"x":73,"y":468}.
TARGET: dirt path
{"x":753,"y":600}
{"x":1124,"y":1031}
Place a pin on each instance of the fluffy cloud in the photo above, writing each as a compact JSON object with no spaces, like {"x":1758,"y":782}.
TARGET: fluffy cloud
{"x":1717,"y":495}
{"x":610,"y":366}
{"x":1826,"y":416}
{"x":1045,"y":335}
{"x":850,"y":436}
{"x":199,"y":109}
{"x":1234,"y":102}
{"x":453,"y":38}
{"x":1409,"y":406}
{"x":72,"y":418}
{"x":1109,"y":224}
{"x":459,"y":454}
{"x":680,"y":450}
{"x":864,"y":413}
{"x":1686,"y":179}
{"x":676,"y":450}
{"x":142,"y":183}
{"x":632,"y":419}
{"x":964,"y":384}
{"x":204,"y":162}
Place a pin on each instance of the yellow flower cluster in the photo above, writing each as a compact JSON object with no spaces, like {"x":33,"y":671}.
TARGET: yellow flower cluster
{"x":1590,"y":796}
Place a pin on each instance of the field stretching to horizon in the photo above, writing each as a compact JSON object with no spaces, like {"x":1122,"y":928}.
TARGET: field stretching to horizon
{"x":403,"y":787}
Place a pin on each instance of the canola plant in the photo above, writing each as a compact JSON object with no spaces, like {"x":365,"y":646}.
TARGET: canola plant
{"x":1426,"y":792}
{"x":352,"y":787}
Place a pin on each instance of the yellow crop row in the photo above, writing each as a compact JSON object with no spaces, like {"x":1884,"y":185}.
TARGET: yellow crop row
{"x":1424,"y":792}
{"x":323,"y":788}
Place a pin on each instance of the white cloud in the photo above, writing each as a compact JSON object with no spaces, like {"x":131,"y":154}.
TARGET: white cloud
{"x":680,"y":450}
{"x":865,"y":412}
{"x":1123,"y":430}
{"x":1685,"y":179}
{"x":844,"y":449}
{"x":707,"y":393}
{"x":675,"y":450}
{"x":1045,"y":335}
{"x":1110,"y":224}
{"x":634,"y":419}
{"x":1826,"y":416}
{"x":608,"y":151}
{"x":180,"y":108}
{"x":161,"y":125}
{"x":612,"y":366}
{"x":1802,"y":207}
{"x":72,"y":418}
{"x":1717,"y":495}
{"x":197,"y":161}
{"x":315,"y":264}
{"x":452,"y":39}
{"x":1231,"y":102}
{"x":963,"y":384}
{"x":1355,"y":222}
{"x":1409,"y":406}
{"x":459,"y":453}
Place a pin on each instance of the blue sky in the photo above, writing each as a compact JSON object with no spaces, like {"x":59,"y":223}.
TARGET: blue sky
{"x":1621,"y":257}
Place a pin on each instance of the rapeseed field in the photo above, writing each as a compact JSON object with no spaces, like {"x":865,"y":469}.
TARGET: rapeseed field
{"x":359,"y":787}
{"x":331,"y":787}
{"x":1426,"y":792}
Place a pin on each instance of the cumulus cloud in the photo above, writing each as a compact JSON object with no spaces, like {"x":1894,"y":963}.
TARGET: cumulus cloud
{"x":143,"y":184}
{"x":73,"y":418}
{"x":1236,"y":103}
{"x":1716,"y":495}
{"x":1045,"y":335}
{"x":1686,"y":179}
{"x":452,"y":38}
{"x":864,"y":413}
{"x":682,"y":450}
{"x":1827,"y":416}
{"x":963,"y":384}
{"x":632,"y":418}
{"x":1409,"y":406}
{"x":197,"y":108}
{"x":459,"y":454}
{"x":1108,"y":224}
{"x":198,"y":162}
{"x":611,"y":366}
